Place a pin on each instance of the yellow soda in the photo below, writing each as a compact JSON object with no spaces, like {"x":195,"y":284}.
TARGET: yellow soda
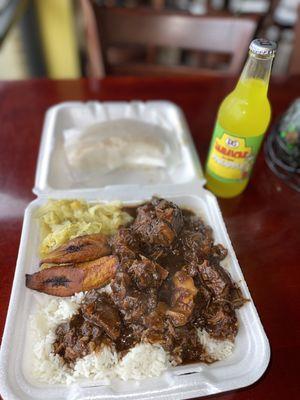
{"x":242,"y":120}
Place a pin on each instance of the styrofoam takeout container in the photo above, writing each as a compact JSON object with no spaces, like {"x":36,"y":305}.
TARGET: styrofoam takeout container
{"x":251,"y":353}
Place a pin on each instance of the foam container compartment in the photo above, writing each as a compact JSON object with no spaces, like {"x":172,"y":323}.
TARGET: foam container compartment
{"x":251,"y":354}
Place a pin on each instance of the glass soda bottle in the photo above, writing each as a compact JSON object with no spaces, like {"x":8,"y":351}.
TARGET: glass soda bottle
{"x":242,"y":120}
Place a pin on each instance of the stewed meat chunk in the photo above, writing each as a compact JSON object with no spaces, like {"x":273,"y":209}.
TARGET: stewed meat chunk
{"x":195,"y":245}
{"x":182,"y":300}
{"x":158,"y":222}
{"x":104,"y":314}
{"x":216,"y":279}
{"x":77,"y":338}
{"x":132,"y":303}
{"x":147,"y":274}
{"x":221,"y":322}
{"x":125,"y":244}
{"x":168,"y":212}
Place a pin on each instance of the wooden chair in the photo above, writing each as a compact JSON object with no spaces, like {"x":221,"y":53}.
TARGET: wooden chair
{"x":294,"y":67}
{"x":120,"y":27}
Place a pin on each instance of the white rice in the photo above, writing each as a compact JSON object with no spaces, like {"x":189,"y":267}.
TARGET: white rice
{"x":142,"y":361}
{"x":217,"y":349}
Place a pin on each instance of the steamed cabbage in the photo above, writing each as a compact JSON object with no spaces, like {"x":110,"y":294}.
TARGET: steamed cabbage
{"x":62,"y":220}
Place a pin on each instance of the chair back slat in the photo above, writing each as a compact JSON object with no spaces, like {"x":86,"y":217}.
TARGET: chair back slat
{"x":149,"y":28}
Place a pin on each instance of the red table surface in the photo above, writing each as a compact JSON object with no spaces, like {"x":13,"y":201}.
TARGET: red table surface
{"x":263,"y":223}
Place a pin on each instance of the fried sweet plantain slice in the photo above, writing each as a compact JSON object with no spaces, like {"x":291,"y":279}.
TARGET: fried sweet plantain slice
{"x":65,"y":281}
{"x":51,"y":265}
{"x":98,"y":271}
{"x":82,"y":248}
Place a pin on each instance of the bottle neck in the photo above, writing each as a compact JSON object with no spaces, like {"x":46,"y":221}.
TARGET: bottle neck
{"x":256,"y":73}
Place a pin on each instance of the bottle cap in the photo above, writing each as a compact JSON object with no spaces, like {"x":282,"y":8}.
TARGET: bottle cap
{"x":263,"y":47}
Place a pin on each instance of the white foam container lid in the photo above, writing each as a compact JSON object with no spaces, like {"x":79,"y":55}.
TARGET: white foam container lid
{"x":184,"y":186}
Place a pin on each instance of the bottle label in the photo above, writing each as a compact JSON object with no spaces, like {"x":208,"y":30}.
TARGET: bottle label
{"x":231,"y":157}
